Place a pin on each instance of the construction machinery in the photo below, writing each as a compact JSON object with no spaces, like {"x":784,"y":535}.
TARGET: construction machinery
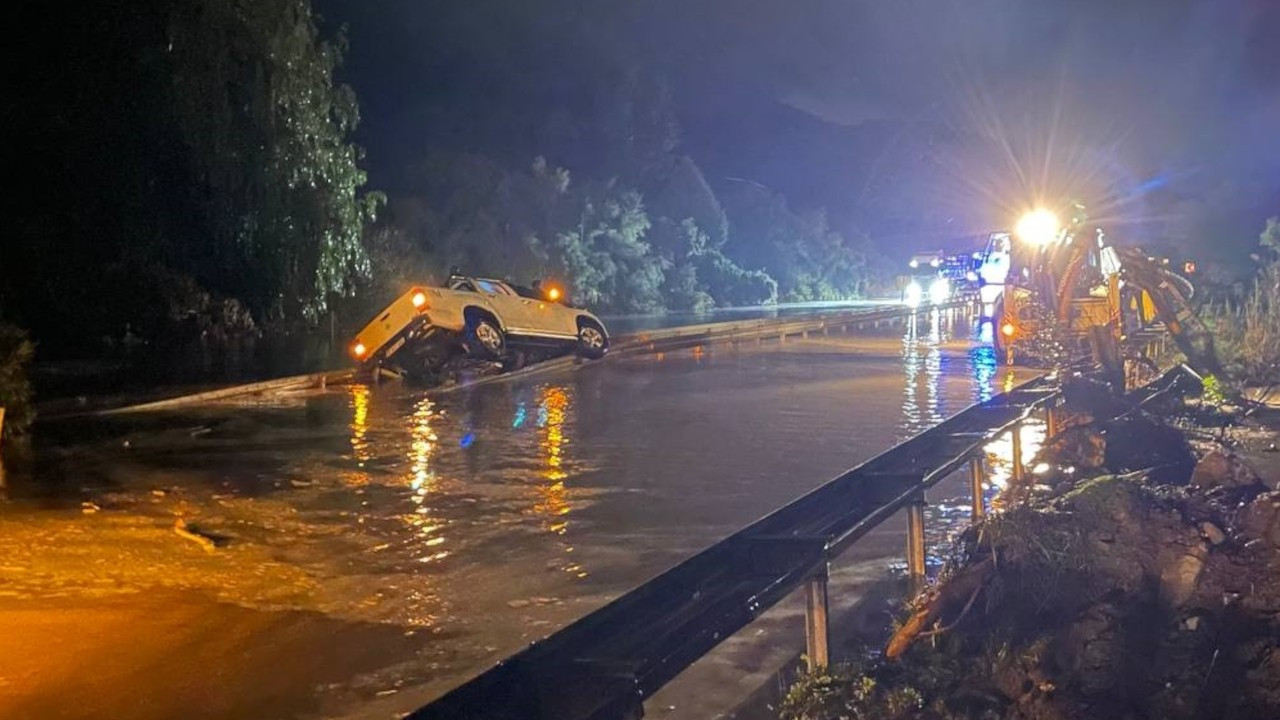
{"x":1068,"y":294}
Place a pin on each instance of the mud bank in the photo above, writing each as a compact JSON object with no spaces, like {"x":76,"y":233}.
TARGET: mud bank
{"x":1136,"y":574}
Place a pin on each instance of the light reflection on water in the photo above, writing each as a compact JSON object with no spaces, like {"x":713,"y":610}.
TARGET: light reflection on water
{"x":422,"y":481}
{"x":358,"y":401}
{"x":923,"y":404}
{"x":948,"y":516}
{"x":555,"y":412}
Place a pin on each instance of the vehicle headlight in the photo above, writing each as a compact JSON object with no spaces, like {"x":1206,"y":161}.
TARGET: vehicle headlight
{"x":419,"y":299}
{"x":939,"y":291}
{"x":359,"y":350}
{"x":913,"y":295}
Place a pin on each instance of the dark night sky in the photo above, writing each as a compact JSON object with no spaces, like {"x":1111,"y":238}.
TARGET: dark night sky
{"x":965,"y":109}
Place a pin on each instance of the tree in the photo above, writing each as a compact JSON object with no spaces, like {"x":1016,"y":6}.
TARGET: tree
{"x":808,"y":259}
{"x":701,"y":276}
{"x":606,"y":256}
{"x":200,"y":141}
{"x":1270,"y":237}
{"x":279,"y":184}
{"x":16,"y":352}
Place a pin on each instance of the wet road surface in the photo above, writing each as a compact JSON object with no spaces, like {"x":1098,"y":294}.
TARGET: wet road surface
{"x":377,"y":546}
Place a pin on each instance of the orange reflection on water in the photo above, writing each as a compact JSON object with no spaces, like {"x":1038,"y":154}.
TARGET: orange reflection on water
{"x":358,"y":401}
{"x":422,"y":482}
{"x":553,"y":504}
{"x":999,"y":460}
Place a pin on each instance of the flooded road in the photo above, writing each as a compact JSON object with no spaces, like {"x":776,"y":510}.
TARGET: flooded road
{"x":377,"y":546}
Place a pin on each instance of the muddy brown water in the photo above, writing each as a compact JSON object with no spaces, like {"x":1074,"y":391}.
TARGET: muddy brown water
{"x":378,"y":546}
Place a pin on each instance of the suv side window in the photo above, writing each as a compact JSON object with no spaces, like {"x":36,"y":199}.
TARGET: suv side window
{"x":492,"y":288}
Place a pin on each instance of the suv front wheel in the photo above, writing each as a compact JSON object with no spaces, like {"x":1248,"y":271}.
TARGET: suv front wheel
{"x":592,"y":342}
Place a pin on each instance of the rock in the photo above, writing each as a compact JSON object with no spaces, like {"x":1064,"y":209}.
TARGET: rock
{"x":1192,"y":623}
{"x":88,"y":508}
{"x":1260,"y":521}
{"x":1220,"y":469}
{"x":1139,"y":442}
{"x":1212,"y":533}
{"x":301,"y":483}
{"x":1178,"y":581}
{"x":517,"y":604}
{"x":1094,"y":648}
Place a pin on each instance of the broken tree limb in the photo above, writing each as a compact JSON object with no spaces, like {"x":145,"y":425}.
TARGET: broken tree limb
{"x":959,"y":591}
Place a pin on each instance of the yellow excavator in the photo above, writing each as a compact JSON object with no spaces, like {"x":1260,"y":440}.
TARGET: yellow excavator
{"x":1069,"y":291}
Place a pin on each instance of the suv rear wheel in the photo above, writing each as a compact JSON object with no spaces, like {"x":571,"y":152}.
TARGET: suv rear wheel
{"x":484,"y":338}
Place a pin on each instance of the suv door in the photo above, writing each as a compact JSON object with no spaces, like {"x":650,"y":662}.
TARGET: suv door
{"x":511,"y":308}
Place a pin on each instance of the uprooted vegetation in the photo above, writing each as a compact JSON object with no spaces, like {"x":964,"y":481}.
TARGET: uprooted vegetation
{"x":1129,"y":581}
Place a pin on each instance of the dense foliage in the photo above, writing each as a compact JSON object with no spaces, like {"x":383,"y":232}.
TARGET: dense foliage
{"x":1248,"y":332}
{"x":183,"y":154}
{"x":192,"y":182}
{"x":16,"y":351}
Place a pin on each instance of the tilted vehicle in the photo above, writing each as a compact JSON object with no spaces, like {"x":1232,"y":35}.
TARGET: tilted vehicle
{"x":482,"y":318}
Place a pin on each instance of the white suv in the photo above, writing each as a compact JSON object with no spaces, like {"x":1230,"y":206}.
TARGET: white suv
{"x":487,"y":318}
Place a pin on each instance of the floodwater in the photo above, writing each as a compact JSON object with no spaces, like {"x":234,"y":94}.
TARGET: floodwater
{"x":620,"y":324}
{"x":377,"y":546}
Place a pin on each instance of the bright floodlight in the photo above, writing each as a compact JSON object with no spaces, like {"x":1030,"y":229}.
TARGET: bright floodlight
{"x":1039,"y":227}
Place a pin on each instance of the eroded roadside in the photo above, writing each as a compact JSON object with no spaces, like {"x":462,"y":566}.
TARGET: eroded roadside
{"x":1135,"y":574}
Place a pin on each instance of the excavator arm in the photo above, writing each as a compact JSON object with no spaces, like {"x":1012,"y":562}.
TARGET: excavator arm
{"x":1171,"y":295}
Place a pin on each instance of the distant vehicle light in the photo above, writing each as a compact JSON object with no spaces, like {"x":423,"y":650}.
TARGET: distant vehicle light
{"x":1038,"y":227}
{"x":935,"y":262}
{"x":419,"y":299}
{"x":359,"y":349}
{"x":913,"y":295}
{"x":1189,"y":268}
{"x":1008,"y":329}
{"x":939,"y":291}
{"x":553,"y":293}
{"x":914,"y":263}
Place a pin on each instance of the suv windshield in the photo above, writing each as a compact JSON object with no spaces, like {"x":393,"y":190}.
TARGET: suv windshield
{"x":492,"y":287}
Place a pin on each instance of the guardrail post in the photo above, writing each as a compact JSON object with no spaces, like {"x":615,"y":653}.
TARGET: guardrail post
{"x":977,"y":480}
{"x":816,"y":628}
{"x":1015,"y":435}
{"x":915,"y":541}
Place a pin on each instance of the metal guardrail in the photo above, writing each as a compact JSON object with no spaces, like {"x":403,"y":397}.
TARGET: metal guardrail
{"x":664,"y":340}
{"x":603,"y":666}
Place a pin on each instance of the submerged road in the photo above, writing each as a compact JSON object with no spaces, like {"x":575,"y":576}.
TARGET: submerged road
{"x":378,"y":546}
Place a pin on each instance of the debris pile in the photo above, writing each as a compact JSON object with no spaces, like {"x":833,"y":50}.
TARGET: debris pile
{"x":1130,"y":581}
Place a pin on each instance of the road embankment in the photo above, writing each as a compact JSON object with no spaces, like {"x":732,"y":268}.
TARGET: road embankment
{"x":1136,"y":573}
